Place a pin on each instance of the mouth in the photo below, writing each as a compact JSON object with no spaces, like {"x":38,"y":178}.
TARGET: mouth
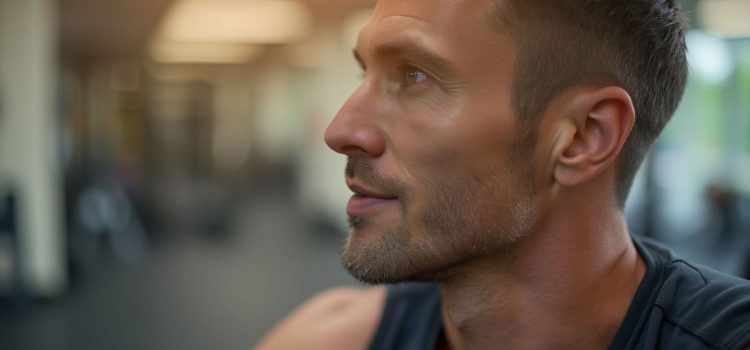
{"x":362,"y":191}
{"x":366,"y":201}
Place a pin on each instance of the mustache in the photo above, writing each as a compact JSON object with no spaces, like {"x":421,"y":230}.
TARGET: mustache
{"x":364,"y":171}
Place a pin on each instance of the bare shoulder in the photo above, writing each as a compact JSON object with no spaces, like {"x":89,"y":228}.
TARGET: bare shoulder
{"x":339,"y":318}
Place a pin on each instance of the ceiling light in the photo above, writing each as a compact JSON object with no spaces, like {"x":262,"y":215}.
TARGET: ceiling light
{"x":185,"y":52}
{"x":236,"y":21}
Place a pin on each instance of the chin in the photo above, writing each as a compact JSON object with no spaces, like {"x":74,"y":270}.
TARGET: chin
{"x":383,"y":257}
{"x":390,"y":257}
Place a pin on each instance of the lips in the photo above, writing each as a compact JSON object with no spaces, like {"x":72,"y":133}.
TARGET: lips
{"x":362,"y":191}
{"x":366,"y":201}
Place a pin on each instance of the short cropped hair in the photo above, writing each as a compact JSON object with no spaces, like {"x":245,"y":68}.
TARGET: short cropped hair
{"x":638,"y":45}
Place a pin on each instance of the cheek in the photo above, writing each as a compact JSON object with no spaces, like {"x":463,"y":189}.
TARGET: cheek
{"x":451,"y":169}
{"x":450,"y":145}
{"x":456,"y":153}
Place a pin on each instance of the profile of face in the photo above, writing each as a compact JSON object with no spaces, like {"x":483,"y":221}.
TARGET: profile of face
{"x":440,"y":167}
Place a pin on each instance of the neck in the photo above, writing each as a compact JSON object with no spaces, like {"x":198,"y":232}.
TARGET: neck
{"x":568,"y":284}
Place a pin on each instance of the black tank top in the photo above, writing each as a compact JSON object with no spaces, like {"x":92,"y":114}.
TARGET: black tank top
{"x":679,"y":305}
{"x":403,"y":325}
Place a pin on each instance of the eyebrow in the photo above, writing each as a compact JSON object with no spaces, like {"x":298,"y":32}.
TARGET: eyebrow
{"x":410,"y":48}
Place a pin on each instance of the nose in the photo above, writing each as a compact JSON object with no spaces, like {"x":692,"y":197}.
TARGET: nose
{"x":354,"y":130}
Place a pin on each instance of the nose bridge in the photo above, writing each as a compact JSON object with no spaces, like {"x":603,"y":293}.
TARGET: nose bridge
{"x":354,"y":129}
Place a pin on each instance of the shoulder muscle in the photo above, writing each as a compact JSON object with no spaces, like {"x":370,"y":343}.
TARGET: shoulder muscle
{"x":339,"y":318}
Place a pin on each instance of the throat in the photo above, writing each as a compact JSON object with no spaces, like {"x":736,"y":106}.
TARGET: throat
{"x":564,"y":308}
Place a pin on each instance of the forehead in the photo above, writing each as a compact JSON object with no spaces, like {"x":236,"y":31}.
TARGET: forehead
{"x":437,"y":11}
{"x":431,"y":22}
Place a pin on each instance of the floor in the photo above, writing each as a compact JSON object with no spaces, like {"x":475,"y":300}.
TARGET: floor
{"x":193,"y":292}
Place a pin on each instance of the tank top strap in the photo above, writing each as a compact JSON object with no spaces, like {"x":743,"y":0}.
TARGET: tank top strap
{"x":411,"y":318}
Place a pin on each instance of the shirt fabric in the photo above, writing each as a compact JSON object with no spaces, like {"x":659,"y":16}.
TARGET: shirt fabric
{"x":678,"y":305}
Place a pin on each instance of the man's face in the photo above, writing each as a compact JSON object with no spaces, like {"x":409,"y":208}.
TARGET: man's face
{"x":436,"y":157}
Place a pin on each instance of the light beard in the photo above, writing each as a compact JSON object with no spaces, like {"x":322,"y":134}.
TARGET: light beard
{"x":460,"y":224}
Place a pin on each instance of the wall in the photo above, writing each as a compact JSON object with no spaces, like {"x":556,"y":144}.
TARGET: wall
{"x":29,"y":148}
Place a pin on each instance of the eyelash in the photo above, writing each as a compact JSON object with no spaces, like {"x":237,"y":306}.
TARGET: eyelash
{"x":405,"y":74}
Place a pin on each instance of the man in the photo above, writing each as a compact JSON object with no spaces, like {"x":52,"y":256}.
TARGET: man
{"x":491,"y":146}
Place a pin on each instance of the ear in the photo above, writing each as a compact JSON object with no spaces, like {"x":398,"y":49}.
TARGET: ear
{"x":595,"y":127}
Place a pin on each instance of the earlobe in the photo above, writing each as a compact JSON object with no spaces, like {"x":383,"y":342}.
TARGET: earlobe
{"x":599,"y":123}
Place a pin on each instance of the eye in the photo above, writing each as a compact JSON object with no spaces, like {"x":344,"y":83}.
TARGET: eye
{"x":415,"y":76}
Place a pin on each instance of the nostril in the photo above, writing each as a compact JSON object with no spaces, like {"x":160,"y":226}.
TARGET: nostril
{"x":352,"y":150}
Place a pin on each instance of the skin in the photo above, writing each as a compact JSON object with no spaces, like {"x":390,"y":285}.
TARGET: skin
{"x":542,"y":250}
{"x":439,"y":139}
{"x":340,"y":318}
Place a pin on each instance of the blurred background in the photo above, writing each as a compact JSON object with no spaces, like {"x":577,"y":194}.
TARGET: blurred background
{"x":164,"y":183}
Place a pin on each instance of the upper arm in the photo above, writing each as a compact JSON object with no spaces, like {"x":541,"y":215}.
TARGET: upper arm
{"x":339,"y":318}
